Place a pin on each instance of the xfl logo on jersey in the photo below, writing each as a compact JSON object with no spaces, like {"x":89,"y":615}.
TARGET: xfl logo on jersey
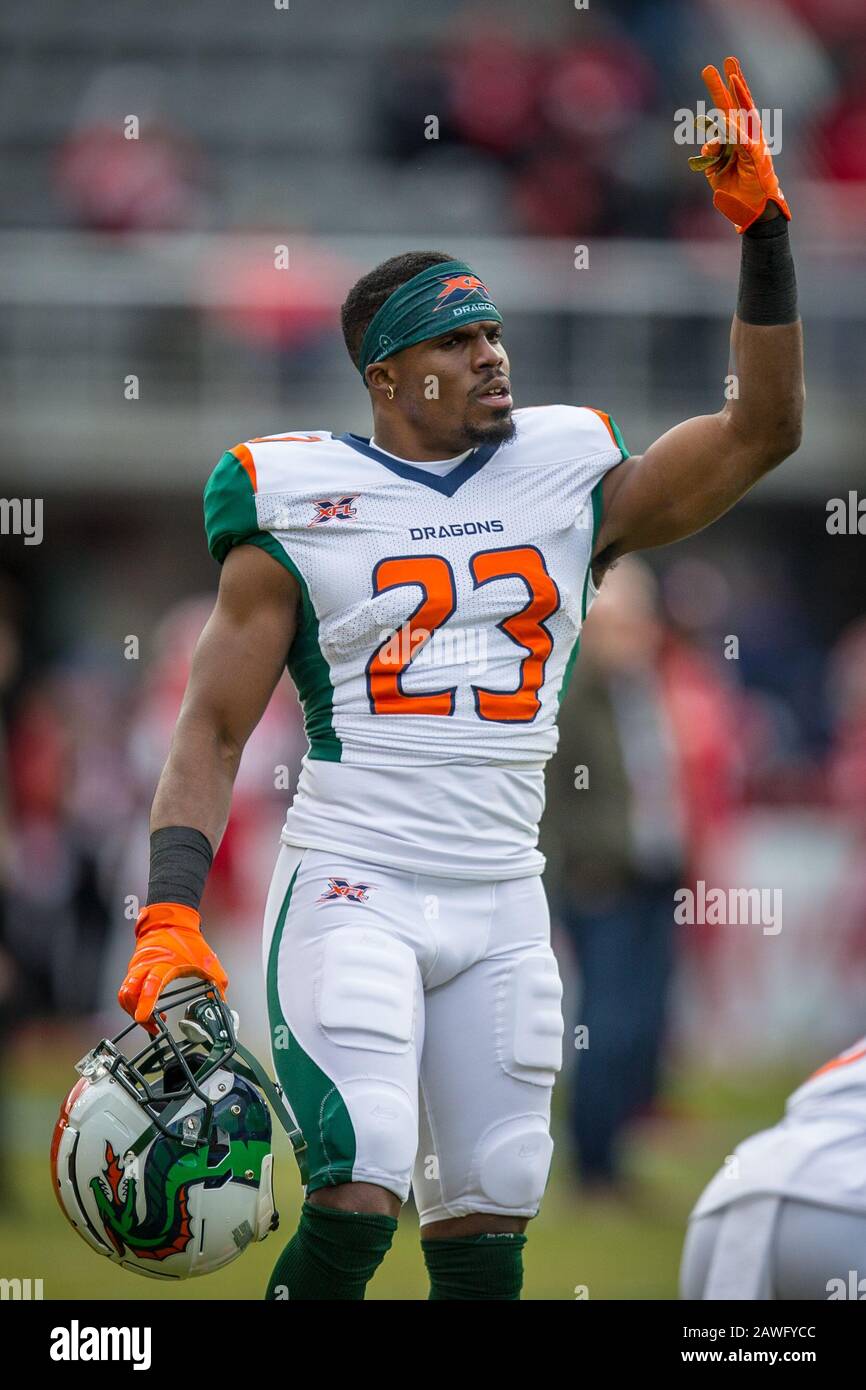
{"x":341,"y":510}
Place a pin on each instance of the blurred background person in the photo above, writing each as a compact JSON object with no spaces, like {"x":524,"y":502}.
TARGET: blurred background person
{"x":623,"y":805}
{"x":127,"y":165}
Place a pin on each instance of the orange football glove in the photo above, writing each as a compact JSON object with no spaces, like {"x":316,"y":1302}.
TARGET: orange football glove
{"x":740,"y":171}
{"x":169,"y":945}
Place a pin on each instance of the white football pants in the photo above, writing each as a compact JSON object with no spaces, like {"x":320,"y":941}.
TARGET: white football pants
{"x":416,"y":1030}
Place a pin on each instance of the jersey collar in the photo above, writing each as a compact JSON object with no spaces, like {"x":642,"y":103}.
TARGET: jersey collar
{"x":447,"y":485}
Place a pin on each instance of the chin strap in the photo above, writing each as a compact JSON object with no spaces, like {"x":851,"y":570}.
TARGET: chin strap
{"x":203,"y":1024}
{"x":252,"y":1070}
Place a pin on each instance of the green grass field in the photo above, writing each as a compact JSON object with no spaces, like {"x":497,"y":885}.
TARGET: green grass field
{"x":614,"y":1251}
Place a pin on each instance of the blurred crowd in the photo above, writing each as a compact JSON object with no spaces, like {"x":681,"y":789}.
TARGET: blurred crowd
{"x":581,"y":125}
{"x":507,"y":120}
{"x":564,"y":122}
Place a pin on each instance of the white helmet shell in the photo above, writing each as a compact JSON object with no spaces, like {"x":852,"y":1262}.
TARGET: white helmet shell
{"x":174,"y":1186}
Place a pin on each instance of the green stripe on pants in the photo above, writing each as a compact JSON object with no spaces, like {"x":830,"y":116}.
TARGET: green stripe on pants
{"x":316,"y":1103}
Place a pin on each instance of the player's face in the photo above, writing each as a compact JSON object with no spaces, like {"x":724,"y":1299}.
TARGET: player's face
{"x":455,"y":389}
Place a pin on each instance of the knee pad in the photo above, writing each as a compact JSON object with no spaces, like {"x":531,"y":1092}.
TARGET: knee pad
{"x":513,"y":1164}
{"x":366,"y":993}
{"x":530,"y":1041}
{"x":385,"y":1123}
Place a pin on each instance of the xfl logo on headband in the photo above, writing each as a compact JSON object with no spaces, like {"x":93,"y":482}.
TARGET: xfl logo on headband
{"x":456,"y":288}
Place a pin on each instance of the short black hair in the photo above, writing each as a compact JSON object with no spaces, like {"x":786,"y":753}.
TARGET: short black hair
{"x":369,"y":293}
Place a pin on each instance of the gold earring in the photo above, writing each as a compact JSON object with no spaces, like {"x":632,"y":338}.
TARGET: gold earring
{"x":390,"y":392}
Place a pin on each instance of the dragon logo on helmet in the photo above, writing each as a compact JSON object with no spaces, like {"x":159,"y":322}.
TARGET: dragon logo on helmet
{"x":163,"y":1232}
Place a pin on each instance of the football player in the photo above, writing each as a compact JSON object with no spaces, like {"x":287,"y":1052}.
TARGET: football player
{"x":426,"y":586}
{"x":786,"y":1215}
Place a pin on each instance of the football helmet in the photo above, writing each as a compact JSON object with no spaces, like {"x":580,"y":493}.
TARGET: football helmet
{"x":162,"y":1160}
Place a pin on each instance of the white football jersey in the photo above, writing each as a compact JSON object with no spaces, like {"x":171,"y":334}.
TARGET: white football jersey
{"x":816,"y":1153}
{"x":440,"y":614}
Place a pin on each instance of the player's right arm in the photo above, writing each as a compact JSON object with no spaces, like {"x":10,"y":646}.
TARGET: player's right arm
{"x":238,"y":660}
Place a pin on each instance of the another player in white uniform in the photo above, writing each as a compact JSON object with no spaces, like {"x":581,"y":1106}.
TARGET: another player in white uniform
{"x":428,"y":585}
{"x":786,"y":1215}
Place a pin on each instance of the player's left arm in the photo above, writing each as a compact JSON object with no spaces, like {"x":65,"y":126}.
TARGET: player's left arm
{"x":696,"y":471}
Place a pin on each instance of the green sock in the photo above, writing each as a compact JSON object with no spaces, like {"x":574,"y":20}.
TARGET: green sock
{"x":332,"y":1255}
{"x":486,"y":1266}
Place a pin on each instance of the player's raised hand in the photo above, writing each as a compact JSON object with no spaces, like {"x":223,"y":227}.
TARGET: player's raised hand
{"x":169,"y":946}
{"x":740,"y":169}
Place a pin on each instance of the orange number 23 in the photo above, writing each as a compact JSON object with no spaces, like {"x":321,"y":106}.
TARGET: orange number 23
{"x":433,"y":575}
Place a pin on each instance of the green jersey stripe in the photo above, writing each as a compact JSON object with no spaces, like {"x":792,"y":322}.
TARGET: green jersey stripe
{"x":230,"y":520}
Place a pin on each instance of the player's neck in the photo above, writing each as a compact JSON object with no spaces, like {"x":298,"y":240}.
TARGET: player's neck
{"x":401,"y":458}
{"x":394,"y":438}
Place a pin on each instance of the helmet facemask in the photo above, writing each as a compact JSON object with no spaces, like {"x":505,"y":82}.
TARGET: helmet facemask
{"x":166,"y":1071}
